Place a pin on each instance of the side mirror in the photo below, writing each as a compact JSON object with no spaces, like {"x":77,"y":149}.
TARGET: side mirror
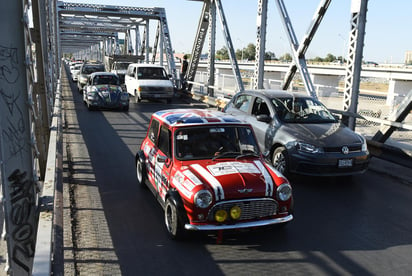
{"x":263,"y":118}
{"x":163,"y":159}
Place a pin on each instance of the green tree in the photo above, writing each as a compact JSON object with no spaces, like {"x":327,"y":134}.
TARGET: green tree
{"x":249,"y":52}
{"x":239,"y":54}
{"x":286,"y":57}
{"x":270,"y":56}
{"x":318,"y":59}
{"x":222,"y":54}
{"x":330,"y":58}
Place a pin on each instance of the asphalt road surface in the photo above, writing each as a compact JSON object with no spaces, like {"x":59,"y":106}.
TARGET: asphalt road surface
{"x":357,"y":226}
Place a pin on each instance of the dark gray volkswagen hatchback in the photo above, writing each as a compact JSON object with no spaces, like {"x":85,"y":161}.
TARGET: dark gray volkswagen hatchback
{"x":299,"y":134}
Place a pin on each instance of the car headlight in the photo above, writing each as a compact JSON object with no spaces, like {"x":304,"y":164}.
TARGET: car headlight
{"x":364,"y":144}
{"x":203,"y":199}
{"x":284,"y":192}
{"x":305,"y":147}
{"x":92,"y":95}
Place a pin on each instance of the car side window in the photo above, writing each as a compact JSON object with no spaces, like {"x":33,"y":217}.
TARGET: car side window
{"x":243,"y":102}
{"x":260,"y":107}
{"x":164,"y":141}
{"x":130,"y":71}
{"x":153,"y":130}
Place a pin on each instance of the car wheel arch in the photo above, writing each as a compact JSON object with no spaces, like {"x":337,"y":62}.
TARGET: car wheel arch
{"x":141,"y":158}
{"x":284,"y":151}
{"x":174,"y":201}
{"x":174,"y":195}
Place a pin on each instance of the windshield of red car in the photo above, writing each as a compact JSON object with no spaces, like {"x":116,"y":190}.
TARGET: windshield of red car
{"x":208,"y":142}
{"x":302,"y":110}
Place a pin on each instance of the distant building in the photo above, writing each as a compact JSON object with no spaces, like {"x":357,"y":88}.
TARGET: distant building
{"x":408,"y":57}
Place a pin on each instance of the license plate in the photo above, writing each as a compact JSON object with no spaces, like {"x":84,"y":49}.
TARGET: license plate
{"x":344,"y":163}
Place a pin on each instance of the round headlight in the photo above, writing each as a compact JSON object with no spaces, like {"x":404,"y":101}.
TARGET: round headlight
{"x":220,"y":215}
{"x":284,"y":192}
{"x":203,"y":199}
{"x":235,"y":212}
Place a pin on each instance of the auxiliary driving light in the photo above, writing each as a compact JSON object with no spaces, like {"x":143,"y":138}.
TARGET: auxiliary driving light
{"x":220,"y":215}
{"x":235,"y":212}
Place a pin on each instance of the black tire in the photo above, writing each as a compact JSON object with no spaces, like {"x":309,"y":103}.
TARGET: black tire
{"x":173,"y":220}
{"x":90,"y":107}
{"x":280,"y":160}
{"x":141,"y":173}
{"x":126,"y":108}
{"x":137,"y":99}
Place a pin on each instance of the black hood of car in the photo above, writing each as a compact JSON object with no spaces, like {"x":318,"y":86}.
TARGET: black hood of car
{"x":327,"y":134}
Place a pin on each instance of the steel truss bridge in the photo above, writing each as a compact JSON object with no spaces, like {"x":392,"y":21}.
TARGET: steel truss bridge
{"x":35,"y":36}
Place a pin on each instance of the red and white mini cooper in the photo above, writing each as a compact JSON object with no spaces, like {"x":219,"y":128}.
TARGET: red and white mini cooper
{"x":206,"y":170}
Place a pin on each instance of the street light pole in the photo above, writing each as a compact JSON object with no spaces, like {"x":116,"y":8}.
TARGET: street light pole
{"x":343,"y":48}
{"x":241,"y":42}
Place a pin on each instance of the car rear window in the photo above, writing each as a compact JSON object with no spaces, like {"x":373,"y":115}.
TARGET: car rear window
{"x":88,"y":69}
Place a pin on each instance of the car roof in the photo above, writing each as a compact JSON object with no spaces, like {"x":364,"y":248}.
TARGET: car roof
{"x":103,"y":73}
{"x":145,"y":65}
{"x":178,"y":117}
{"x":272,"y":93}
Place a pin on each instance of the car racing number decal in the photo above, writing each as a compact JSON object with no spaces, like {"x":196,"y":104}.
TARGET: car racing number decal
{"x":225,"y":168}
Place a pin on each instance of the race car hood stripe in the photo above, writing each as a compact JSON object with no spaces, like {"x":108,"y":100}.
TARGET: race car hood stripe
{"x":217,"y":187}
{"x":268,"y":178}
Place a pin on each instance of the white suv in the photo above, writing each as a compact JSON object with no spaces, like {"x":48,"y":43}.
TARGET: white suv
{"x":148,"y":81}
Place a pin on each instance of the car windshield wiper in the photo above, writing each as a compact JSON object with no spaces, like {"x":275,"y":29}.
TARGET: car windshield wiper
{"x":224,"y":154}
{"x":247,"y":154}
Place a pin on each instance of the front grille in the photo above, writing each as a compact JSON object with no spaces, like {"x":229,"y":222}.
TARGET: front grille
{"x":352,"y":148}
{"x":319,"y":169}
{"x":251,"y":208}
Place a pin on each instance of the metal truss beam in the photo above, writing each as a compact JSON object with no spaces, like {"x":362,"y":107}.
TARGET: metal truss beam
{"x":299,"y":49}
{"x":202,"y":30}
{"x":199,"y":41}
{"x":107,"y":21}
{"x":260,"y":44}
{"x":354,"y":60}
{"x":398,"y":115}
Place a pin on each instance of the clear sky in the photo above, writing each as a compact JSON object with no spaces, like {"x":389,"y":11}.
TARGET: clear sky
{"x":386,"y":37}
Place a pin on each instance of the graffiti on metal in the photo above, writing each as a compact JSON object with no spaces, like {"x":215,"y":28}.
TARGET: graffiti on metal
{"x":22,"y":201}
{"x":16,"y":157}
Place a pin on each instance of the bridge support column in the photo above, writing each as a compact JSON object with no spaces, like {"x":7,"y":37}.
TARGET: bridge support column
{"x":397,"y":91}
{"x":325,"y":85}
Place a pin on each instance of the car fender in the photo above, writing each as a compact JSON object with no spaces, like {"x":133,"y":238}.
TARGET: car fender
{"x":140,"y":155}
{"x":175,"y":197}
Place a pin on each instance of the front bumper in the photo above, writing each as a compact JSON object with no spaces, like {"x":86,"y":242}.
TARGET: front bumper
{"x":240,"y":225}
{"x":327,"y":164}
